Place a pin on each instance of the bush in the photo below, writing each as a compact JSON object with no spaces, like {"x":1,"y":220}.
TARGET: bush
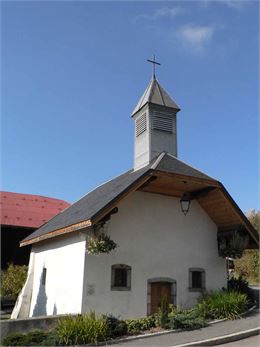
{"x":240,"y":285}
{"x":81,"y":329}
{"x":135,"y":326}
{"x":187,"y":320}
{"x":115,"y":327}
{"x":33,"y":338}
{"x":222,"y":304}
{"x":12,"y":280}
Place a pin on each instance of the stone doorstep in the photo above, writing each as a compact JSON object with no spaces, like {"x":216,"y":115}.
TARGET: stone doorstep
{"x":165,"y":332}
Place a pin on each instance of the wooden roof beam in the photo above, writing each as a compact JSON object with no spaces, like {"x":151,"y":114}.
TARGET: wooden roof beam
{"x":185,"y":178}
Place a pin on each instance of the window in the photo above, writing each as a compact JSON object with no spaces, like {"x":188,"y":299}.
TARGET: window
{"x":44,"y":272}
{"x":121,"y":277}
{"x":196,"y":279}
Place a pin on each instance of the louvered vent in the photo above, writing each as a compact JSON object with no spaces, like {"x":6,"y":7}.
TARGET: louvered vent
{"x":164,"y":121}
{"x":140,"y":125}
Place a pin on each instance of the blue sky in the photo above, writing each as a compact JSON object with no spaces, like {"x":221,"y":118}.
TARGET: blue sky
{"x":73,"y":71}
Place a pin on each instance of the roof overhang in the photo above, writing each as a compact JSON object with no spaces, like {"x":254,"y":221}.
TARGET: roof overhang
{"x":209,"y":193}
{"x":96,"y":218}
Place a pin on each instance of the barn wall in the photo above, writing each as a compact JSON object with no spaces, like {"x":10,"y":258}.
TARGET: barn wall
{"x":156,"y":240}
{"x":63,"y":259}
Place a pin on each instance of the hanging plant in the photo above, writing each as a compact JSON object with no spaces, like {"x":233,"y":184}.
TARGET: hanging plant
{"x":101,"y":243}
{"x":232,"y":244}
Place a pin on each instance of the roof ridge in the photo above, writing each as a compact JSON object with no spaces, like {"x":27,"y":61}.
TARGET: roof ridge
{"x":145,"y":93}
{"x":160,"y":92}
{"x":157,"y":161}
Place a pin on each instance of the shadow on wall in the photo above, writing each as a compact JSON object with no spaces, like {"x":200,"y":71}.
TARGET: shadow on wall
{"x":40,"y":308}
{"x":54,"y":310}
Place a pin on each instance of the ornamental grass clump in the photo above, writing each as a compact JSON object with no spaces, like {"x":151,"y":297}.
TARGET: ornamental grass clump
{"x":222,"y":304}
{"x":81,"y":329}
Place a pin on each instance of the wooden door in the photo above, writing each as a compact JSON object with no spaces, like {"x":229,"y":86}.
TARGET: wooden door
{"x":159,"y":290}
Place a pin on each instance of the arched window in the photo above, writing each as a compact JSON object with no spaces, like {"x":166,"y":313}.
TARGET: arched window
{"x":197,"y":280}
{"x":120,"y":277}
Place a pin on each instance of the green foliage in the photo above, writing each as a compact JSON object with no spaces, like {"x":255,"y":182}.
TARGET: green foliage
{"x":232,"y":245}
{"x":81,"y":329}
{"x":222,"y":304}
{"x":163,"y":312}
{"x":135,"y":326}
{"x":100,"y":244}
{"x":12,"y":280}
{"x":33,"y":338}
{"x":51,"y":339}
{"x":115,"y":327}
{"x":240,"y":285}
{"x":248,"y":265}
{"x":254,"y":217}
{"x":187,"y":320}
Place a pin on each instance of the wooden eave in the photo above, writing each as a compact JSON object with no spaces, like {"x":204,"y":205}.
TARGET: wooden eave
{"x":62,"y":231}
{"x":210,"y":194}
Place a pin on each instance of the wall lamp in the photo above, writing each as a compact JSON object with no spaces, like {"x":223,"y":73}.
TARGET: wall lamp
{"x":185,"y":203}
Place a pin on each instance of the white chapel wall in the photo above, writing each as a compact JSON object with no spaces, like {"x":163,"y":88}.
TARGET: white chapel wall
{"x":63,"y":259}
{"x":156,"y":240}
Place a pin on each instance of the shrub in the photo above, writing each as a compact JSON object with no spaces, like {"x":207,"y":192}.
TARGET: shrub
{"x":12,"y":280}
{"x":100,"y":244}
{"x":33,"y":338}
{"x":240,"y":285}
{"x":51,"y":339}
{"x":187,"y":320}
{"x":222,"y":304}
{"x":81,"y":329}
{"x":134,"y":326}
{"x":115,"y":327}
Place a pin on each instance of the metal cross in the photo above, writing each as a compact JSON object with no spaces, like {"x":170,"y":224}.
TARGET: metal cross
{"x":154,"y":63}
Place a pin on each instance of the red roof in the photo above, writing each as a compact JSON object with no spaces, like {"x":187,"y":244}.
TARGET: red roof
{"x":26,"y":210}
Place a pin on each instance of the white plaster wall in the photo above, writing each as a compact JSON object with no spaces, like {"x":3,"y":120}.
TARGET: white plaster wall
{"x":63,"y":258}
{"x":156,"y":240}
{"x":23,"y":302}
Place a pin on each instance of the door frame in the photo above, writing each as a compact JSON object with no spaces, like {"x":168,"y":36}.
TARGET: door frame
{"x":173,"y":283}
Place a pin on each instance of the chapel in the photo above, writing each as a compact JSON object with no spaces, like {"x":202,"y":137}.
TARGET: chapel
{"x":167,"y":229}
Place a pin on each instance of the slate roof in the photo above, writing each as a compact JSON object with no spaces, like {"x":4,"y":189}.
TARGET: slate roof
{"x":169,"y":163}
{"x":88,"y":206}
{"x":155,"y":94}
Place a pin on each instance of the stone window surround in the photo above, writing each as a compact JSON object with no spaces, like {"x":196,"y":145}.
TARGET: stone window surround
{"x":129,"y":273}
{"x":203,"y":288}
{"x":161,"y":279}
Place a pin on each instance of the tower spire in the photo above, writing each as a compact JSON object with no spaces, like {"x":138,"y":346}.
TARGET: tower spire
{"x":154,"y":63}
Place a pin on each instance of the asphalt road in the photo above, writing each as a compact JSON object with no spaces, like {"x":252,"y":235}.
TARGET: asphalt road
{"x":253,"y":341}
{"x":216,"y":330}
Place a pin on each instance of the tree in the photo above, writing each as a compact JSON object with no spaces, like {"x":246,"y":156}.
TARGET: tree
{"x":12,"y":280}
{"x":248,"y":265}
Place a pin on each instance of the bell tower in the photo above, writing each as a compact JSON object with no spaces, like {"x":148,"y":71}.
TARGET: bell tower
{"x":155,"y":123}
